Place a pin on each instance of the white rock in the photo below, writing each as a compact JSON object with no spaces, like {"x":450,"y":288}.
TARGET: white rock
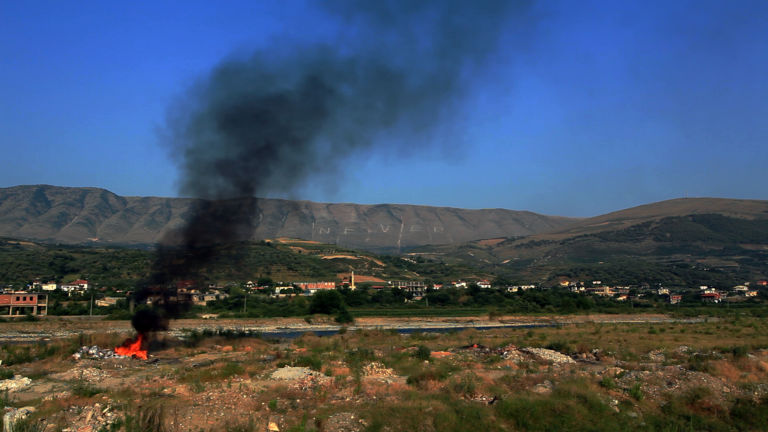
{"x":16,"y":383}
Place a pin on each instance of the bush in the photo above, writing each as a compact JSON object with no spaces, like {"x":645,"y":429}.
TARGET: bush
{"x":231,"y":369}
{"x":559,"y":345}
{"x":740,"y":351}
{"x":607,"y":383}
{"x":344,"y":317}
{"x":423,"y":353}
{"x":425,"y":375}
{"x":83,"y":388}
{"x":465,"y":386}
{"x":312,"y":362}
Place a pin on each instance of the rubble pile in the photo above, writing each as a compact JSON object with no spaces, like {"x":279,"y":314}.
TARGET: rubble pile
{"x":18,"y":382}
{"x":310,"y":382}
{"x":345,"y":422}
{"x":511,"y":352}
{"x":378,"y":370}
{"x":519,"y":355}
{"x":13,"y":415}
{"x":293,"y":373}
{"x":91,"y":418}
{"x":89,"y":374}
{"x":548,"y":355}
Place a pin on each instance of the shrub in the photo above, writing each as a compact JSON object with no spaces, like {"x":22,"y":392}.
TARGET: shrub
{"x":636,"y":392}
{"x":422,"y":353}
{"x":607,"y":383}
{"x":740,"y":351}
{"x":312,"y":362}
{"x":83,"y":388}
{"x":343,"y":316}
{"x":355,"y":358}
{"x":5,"y":400}
{"x":5,"y":374}
{"x":465,"y":386}
{"x":231,"y":369}
{"x":699,"y":363}
{"x":559,"y":345}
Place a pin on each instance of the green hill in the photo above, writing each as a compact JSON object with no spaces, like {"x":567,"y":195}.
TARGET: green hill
{"x":685,"y":242}
{"x":21,"y":262}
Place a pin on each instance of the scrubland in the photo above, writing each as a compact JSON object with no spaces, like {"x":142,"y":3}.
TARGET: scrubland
{"x":708,"y":375}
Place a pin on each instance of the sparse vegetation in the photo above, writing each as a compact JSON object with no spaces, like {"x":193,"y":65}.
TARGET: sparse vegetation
{"x":464,"y":380}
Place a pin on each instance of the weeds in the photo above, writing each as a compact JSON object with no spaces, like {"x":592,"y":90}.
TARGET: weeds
{"x":6,"y":373}
{"x":83,"y":388}
{"x":312,"y":362}
{"x":559,"y":345}
{"x":636,"y":392}
{"x":27,"y":425}
{"x":464,"y":386}
{"x":607,"y":383}
{"x":147,"y":418}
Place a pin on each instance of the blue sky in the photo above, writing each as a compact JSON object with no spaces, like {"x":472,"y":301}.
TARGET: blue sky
{"x":581,"y":109}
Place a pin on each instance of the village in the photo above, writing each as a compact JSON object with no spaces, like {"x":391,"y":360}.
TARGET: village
{"x":34,"y":299}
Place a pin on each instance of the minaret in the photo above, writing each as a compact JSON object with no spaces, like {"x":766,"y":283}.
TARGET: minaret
{"x":352,"y":281}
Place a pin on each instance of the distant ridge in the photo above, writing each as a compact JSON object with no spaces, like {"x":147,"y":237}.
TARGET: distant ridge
{"x":91,"y":215}
{"x":678,"y":207}
{"x":726,"y":235}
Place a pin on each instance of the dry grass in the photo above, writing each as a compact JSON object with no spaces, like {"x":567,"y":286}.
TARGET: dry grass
{"x":220,"y":376}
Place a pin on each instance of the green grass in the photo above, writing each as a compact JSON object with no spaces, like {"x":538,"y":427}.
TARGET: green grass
{"x":572,"y":406}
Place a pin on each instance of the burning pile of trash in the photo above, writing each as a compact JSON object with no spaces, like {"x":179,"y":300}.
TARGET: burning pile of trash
{"x":94,"y":352}
{"x":130,"y":349}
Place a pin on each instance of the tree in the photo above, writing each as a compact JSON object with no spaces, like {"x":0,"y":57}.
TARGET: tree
{"x":326,"y":302}
{"x":344,"y":317}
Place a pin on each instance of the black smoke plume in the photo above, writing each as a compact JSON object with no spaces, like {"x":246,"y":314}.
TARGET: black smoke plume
{"x":271,"y":122}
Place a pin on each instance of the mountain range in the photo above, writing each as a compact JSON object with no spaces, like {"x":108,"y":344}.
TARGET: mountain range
{"x":707,"y":240}
{"x":97,"y":216}
{"x":680,"y":240}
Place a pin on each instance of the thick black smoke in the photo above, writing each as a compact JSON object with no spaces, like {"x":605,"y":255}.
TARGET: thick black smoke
{"x":289,"y":114}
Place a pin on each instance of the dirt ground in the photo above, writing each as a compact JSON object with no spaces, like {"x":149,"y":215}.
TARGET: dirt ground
{"x":47,"y":328}
{"x":591,"y":370}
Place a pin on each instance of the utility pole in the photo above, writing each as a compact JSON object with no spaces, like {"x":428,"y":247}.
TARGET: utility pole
{"x":245,"y":302}
{"x":91,"y":313}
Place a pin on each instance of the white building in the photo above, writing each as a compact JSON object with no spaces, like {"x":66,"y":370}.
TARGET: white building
{"x":50,"y":286}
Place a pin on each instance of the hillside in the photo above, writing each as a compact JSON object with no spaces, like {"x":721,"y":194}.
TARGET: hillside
{"x":97,"y":216}
{"x":681,"y":241}
{"x":285,"y":260}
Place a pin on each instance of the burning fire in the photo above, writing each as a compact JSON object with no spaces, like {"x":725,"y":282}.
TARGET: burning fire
{"x":132,"y":348}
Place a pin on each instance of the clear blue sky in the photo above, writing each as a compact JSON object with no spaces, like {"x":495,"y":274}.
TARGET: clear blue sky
{"x":587,"y":107}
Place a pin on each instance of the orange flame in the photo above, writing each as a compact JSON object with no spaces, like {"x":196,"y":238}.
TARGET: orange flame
{"x":132,"y":348}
